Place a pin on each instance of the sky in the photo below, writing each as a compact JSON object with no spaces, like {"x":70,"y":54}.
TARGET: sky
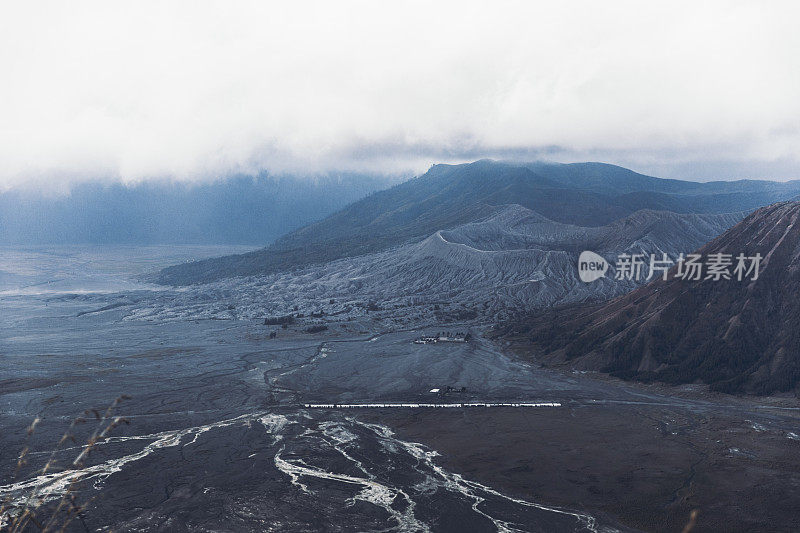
{"x":198,"y":90}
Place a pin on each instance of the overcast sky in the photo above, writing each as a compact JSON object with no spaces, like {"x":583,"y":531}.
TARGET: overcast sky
{"x":197,"y":90}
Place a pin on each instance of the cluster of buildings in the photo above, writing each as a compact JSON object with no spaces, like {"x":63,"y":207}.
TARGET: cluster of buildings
{"x":442,"y":337}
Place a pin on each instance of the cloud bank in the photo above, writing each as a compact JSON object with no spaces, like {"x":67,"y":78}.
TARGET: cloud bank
{"x":197,"y":90}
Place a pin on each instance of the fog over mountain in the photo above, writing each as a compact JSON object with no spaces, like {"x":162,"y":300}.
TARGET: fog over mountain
{"x":238,"y":210}
{"x":584,"y":194}
{"x":680,"y":89}
{"x":359,"y":266}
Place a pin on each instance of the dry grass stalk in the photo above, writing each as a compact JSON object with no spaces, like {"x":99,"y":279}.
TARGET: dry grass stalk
{"x":31,"y":513}
{"x":692,"y":521}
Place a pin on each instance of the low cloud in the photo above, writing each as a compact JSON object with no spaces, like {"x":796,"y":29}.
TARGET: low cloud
{"x":198,"y":90}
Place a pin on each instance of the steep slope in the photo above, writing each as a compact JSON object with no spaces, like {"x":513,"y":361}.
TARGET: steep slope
{"x":450,"y":195}
{"x":737,"y":336}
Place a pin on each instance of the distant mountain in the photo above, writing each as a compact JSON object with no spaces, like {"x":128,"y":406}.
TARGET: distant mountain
{"x":514,"y":260}
{"x":737,"y":336}
{"x":612,"y":179}
{"x":240,"y":210}
{"x":585,"y":194}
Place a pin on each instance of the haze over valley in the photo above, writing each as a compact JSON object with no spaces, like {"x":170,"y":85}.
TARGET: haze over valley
{"x":239,"y":210}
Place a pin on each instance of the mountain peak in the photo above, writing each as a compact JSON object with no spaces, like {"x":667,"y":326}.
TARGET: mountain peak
{"x":589,"y":195}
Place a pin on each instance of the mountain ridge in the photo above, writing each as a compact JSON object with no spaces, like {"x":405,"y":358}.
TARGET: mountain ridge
{"x":451,"y":195}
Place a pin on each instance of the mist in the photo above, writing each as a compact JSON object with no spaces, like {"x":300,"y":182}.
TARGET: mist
{"x":198,"y":91}
{"x":239,"y":210}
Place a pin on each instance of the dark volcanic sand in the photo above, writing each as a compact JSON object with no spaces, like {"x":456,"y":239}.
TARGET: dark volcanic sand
{"x":217,"y":432}
{"x":646,"y":466}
